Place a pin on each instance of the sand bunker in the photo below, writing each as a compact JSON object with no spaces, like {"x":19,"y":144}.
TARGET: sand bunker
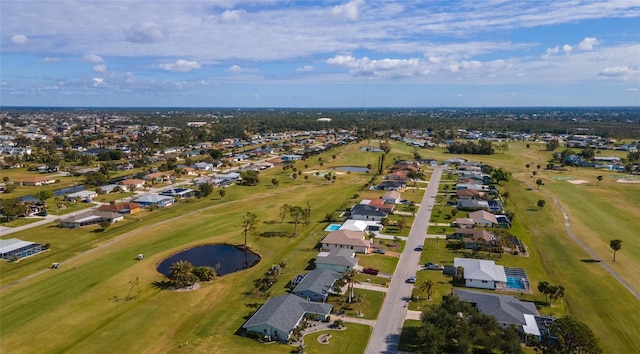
{"x":577,"y":181}
{"x":627,"y":181}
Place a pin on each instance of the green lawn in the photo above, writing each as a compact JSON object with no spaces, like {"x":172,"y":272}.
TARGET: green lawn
{"x":383,"y":263}
{"x":368,"y":307}
{"x":351,"y":340}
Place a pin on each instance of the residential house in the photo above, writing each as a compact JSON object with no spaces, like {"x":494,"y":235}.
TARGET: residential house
{"x":469,"y":194}
{"x":92,"y":217}
{"x":366,"y":212}
{"x":14,"y":247}
{"x":507,"y":310}
{"x":130,"y":184}
{"x":352,"y":240}
{"x":482,"y":274}
{"x":81,"y":195}
{"x":392,"y":186}
{"x":106,"y":189}
{"x":399,"y":175}
{"x":463,"y":223}
{"x":289,"y":158}
{"x":361,"y":225}
{"x":391,"y":197}
{"x":36,"y":181}
{"x":279,"y":316}
{"x":178,"y":192}
{"x":379,"y":204}
{"x":317,"y":285}
{"x":337,"y":260}
{"x":203,"y":166}
{"x":155,"y":200}
{"x":482,"y":218}
{"x":475,"y":238}
{"x":121,"y":208}
{"x":158,"y":176}
{"x":472,"y":204}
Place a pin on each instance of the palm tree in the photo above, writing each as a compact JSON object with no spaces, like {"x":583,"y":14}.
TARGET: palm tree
{"x":181,"y":273}
{"x":599,"y":179}
{"x":249,"y":223}
{"x":205,"y":273}
{"x":427,"y":286}
{"x":350,"y":279}
{"x":557,"y":292}
{"x":615,"y":245}
{"x":222,"y":193}
{"x":543,"y":288}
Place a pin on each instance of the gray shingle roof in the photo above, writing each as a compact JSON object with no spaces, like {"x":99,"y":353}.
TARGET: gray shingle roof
{"x":506,"y":309}
{"x":318,"y":281}
{"x":284,"y":312}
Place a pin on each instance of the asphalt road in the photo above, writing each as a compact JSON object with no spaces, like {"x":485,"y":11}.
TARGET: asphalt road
{"x":386,"y":333}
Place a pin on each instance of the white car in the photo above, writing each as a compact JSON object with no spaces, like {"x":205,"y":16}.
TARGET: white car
{"x":412,"y":279}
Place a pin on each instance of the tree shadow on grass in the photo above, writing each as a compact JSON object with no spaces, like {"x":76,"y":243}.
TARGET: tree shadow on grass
{"x":590,"y":260}
{"x":275,"y":234}
{"x":162,"y":284}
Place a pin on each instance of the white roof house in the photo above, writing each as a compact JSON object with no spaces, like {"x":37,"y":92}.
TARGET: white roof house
{"x":479,"y":273}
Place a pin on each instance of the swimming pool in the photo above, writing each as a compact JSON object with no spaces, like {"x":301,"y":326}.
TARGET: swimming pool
{"x":515,"y":283}
{"x":333,"y":227}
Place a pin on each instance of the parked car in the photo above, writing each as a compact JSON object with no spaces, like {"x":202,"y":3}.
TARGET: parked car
{"x":371,"y":271}
{"x":378,"y":250}
{"x":433,"y":266}
{"x":42,"y":213}
{"x":419,"y":248}
{"x":412,"y":279}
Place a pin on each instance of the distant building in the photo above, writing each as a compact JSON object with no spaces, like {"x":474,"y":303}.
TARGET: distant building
{"x":14,"y":247}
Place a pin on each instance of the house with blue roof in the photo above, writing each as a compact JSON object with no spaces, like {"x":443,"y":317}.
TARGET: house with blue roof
{"x":153,"y":199}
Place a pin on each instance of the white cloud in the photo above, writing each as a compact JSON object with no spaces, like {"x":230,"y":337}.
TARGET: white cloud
{"x":181,"y":66}
{"x":238,"y":69}
{"x":387,"y":67}
{"x":98,"y":81}
{"x":350,"y":10}
{"x":231,"y":15}
{"x":92,"y":58}
{"x":306,"y":68}
{"x":619,"y":71}
{"x":19,"y":39}
{"x":100,"y":68}
{"x":588,"y":43}
{"x":551,"y":51}
{"x":144,"y":33}
{"x":50,"y":60}
{"x":632,"y":89}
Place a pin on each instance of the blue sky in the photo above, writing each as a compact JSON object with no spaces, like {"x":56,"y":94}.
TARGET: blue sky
{"x":358,"y":53}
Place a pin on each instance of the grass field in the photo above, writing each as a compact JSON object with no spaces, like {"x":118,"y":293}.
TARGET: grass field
{"x":80,"y":303}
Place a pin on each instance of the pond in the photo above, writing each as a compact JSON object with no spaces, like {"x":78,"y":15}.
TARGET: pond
{"x":226,"y":258}
{"x":351,"y":168}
